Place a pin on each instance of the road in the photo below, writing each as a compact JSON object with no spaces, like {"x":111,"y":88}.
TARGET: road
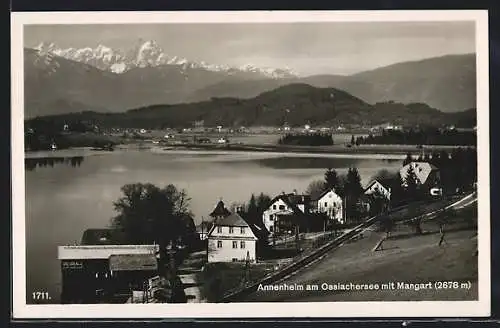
{"x":416,"y":259}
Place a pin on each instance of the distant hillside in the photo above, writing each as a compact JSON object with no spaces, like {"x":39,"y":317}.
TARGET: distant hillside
{"x":447,"y":83}
{"x":56,"y":85}
{"x":296,"y":104}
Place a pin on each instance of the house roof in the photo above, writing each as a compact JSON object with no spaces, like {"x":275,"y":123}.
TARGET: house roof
{"x":385,"y":182}
{"x":324,"y":193}
{"x":232,"y":220}
{"x":235,"y":220}
{"x":422,"y":170}
{"x":133,"y":262}
{"x":101,"y":237}
{"x":299,"y":199}
{"x":259,"y":230}
{"x":220,"y":210}
{"x":290,"y":200}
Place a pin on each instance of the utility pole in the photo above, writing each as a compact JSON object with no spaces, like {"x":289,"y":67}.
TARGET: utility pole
{"x":206,"y":237}
{"x":297,"y":237}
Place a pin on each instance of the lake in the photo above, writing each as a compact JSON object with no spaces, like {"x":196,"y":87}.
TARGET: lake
{"x":71,"y":191}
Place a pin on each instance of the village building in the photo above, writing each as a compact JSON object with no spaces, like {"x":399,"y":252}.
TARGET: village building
{"x":220,"y":211}
{"x":427,"y":174}
{"x":285,"y":206}
{"x":380,"y":187}
{"x":103,"y":268}
{"x":288,"y":212}
{"x":202,"y":231}
{"x":331,"y":204}
{"x":231,"y":240}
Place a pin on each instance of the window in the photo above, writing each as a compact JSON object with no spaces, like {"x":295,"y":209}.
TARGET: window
{"x":242,"y":244}
{"x":231,"y":229}
{"x":242,"y":230}
{"x":235,"y":244}
{"x":234,"y":259}
{"x":274,"y":207}
{"x":282,"y":207}
{"x":271,"y":228}
{"x":219,"y":229}
{"x":219,"y":243}
{"x":271,"y":217}
{"x":326,"y":204}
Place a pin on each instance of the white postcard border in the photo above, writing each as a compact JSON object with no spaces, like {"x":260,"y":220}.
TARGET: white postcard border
{"x":249,"y":310}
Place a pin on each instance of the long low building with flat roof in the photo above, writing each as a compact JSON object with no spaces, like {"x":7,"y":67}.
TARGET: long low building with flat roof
{"x":100,"y":272}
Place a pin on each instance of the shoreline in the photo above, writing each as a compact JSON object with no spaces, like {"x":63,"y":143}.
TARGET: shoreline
{"x":384,"y":151}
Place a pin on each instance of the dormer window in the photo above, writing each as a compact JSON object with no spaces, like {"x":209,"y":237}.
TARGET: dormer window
{"x":219,"y":229}
{"x":231,"y":229}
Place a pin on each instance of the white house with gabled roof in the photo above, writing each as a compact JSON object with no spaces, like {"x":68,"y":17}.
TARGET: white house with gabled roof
{"x":330,"y":203}
{"x":285,"y":204}
{"x":231,"y":240}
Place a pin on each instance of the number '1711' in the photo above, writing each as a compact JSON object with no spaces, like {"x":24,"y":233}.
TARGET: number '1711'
{"x":40,"y":296}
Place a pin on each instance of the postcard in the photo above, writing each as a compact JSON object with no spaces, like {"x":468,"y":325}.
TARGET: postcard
{"x":256,"y":164}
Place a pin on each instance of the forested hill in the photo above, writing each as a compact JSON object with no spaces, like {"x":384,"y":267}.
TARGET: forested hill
{"x":296,"y":104}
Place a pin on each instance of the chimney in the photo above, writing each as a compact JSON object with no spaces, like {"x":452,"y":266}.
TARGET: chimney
{"x":295,"y":191}
{"x":283,"y":193}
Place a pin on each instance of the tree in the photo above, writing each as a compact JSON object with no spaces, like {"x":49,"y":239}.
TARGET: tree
{"x":252,"y":212}
{"x":331,"y":179}
{"x":352,"y":186}
{"x":315,"y":188}
{"x":383,"y":174}
{"x":148,"y":214}
{"x":263,"y":202}
{"x":352,"y":191}
{"x":340,"y":189}
{"x":411,"y":184}
{"x":408,"y":159}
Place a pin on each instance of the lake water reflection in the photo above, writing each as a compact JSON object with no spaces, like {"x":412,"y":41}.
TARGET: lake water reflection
{"x":66,"y":195}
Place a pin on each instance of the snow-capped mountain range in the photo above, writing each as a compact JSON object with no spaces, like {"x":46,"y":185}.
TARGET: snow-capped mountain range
{"x":147,"y":54}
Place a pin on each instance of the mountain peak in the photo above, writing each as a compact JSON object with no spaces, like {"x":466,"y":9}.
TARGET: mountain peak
{"x":148,"y":53}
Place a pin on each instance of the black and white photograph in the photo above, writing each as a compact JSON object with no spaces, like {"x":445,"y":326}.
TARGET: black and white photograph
{"x":250,"y":164}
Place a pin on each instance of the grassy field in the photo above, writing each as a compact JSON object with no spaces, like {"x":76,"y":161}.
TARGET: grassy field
{"x":410,"y":258}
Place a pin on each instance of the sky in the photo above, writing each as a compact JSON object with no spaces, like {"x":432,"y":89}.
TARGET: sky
{"x":306,"y":48}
